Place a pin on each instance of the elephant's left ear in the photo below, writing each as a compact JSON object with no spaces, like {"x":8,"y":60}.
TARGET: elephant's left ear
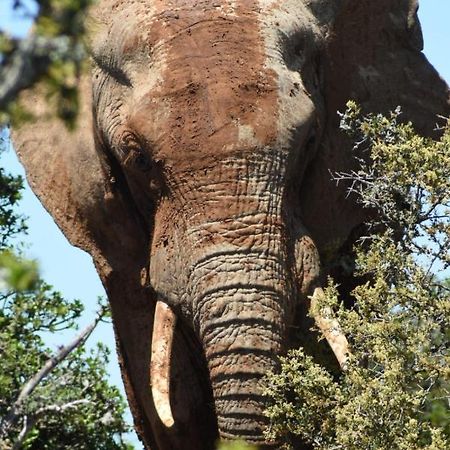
{"x":373,"y":55}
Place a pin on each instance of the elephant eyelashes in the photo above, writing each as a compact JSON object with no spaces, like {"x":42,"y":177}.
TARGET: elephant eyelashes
{"x":136,"y":159}
{"x":111,"y":69}
{"x":132,"y":153}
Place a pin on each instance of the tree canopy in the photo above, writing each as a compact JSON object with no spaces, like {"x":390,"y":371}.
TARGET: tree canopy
{"x":53,"y":52}
{"x":48,"y":399}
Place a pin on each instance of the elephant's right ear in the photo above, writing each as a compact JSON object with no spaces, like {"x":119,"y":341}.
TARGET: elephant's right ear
{"x":66,"y":173}
{"x":75,"y":186}
{"x":372,"y":55}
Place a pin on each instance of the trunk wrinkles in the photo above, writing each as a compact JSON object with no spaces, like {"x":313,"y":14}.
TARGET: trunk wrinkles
{"x":240,"y":302}
{"x":230,"y":256}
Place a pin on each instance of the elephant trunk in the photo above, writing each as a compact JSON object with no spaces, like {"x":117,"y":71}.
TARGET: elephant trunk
{"x":241,"y":322}
{"x":237,"y":365}
{"x":231,"y":261}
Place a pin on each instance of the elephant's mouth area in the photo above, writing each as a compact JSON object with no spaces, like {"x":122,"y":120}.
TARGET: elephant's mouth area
{"x":240,"y":302}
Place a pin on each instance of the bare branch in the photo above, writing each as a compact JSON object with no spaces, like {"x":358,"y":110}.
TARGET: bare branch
{"x":14,"y":412}
{"x":30,"y":422}
{"x":62,"y":408}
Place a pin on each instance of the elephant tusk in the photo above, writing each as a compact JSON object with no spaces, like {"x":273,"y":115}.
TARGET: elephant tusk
{"x":163,"y":331}
{"x":331,"y":329}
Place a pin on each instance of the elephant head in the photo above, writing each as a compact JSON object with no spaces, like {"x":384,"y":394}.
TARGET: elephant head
{"x":198,"y":180}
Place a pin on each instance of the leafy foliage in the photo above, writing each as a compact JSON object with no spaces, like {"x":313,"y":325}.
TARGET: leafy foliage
{"x":76,"y":393}
{"x":406,"y":181}
{"x":15,"y":271}
{"x":395,"y":392}
{"x":53,"y":52}
{"x":10,"y":222}
{"x":73,"y":406}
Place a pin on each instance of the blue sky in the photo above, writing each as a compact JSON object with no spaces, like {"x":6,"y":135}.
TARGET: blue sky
{"x":70,"y":270}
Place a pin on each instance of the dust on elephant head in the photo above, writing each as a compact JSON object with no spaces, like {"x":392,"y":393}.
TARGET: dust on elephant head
{"x":199,"y":180}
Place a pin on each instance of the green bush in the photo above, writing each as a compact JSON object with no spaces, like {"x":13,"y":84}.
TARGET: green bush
{"x":394,"y":394}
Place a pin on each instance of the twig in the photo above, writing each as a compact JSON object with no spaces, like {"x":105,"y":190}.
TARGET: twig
{"x":14,"y":412}
{"x":30,"y":422}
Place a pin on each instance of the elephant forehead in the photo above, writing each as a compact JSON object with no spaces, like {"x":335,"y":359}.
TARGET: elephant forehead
{"x":214,"y":92}
{"x":207,"y":76}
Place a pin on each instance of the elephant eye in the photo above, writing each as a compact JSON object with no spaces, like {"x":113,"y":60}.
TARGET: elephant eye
{"x":138,"y":160}
{"x":132,"y":153}
{"x":142,"y":162}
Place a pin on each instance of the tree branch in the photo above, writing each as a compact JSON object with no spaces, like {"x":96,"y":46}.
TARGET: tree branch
{"x":62,"y":408}
{"x":30,"y":422}
{"x":14,"y":412}
{"x":29,"y":61}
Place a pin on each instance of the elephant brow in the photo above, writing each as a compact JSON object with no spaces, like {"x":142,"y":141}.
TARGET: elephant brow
{"x":110,"y":68}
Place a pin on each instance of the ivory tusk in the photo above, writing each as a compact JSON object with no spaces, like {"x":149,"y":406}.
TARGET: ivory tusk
{"x":163,"y":330}
{"x":331,"y":329}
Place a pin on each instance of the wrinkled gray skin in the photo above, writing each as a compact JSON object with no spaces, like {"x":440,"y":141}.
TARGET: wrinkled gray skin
{"x":205,"y":182}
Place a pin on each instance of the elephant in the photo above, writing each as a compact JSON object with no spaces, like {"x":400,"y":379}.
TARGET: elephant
{"x":198,"y":179}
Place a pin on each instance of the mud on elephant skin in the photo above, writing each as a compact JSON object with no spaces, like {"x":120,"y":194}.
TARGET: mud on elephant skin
{"x":198,"y":180}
